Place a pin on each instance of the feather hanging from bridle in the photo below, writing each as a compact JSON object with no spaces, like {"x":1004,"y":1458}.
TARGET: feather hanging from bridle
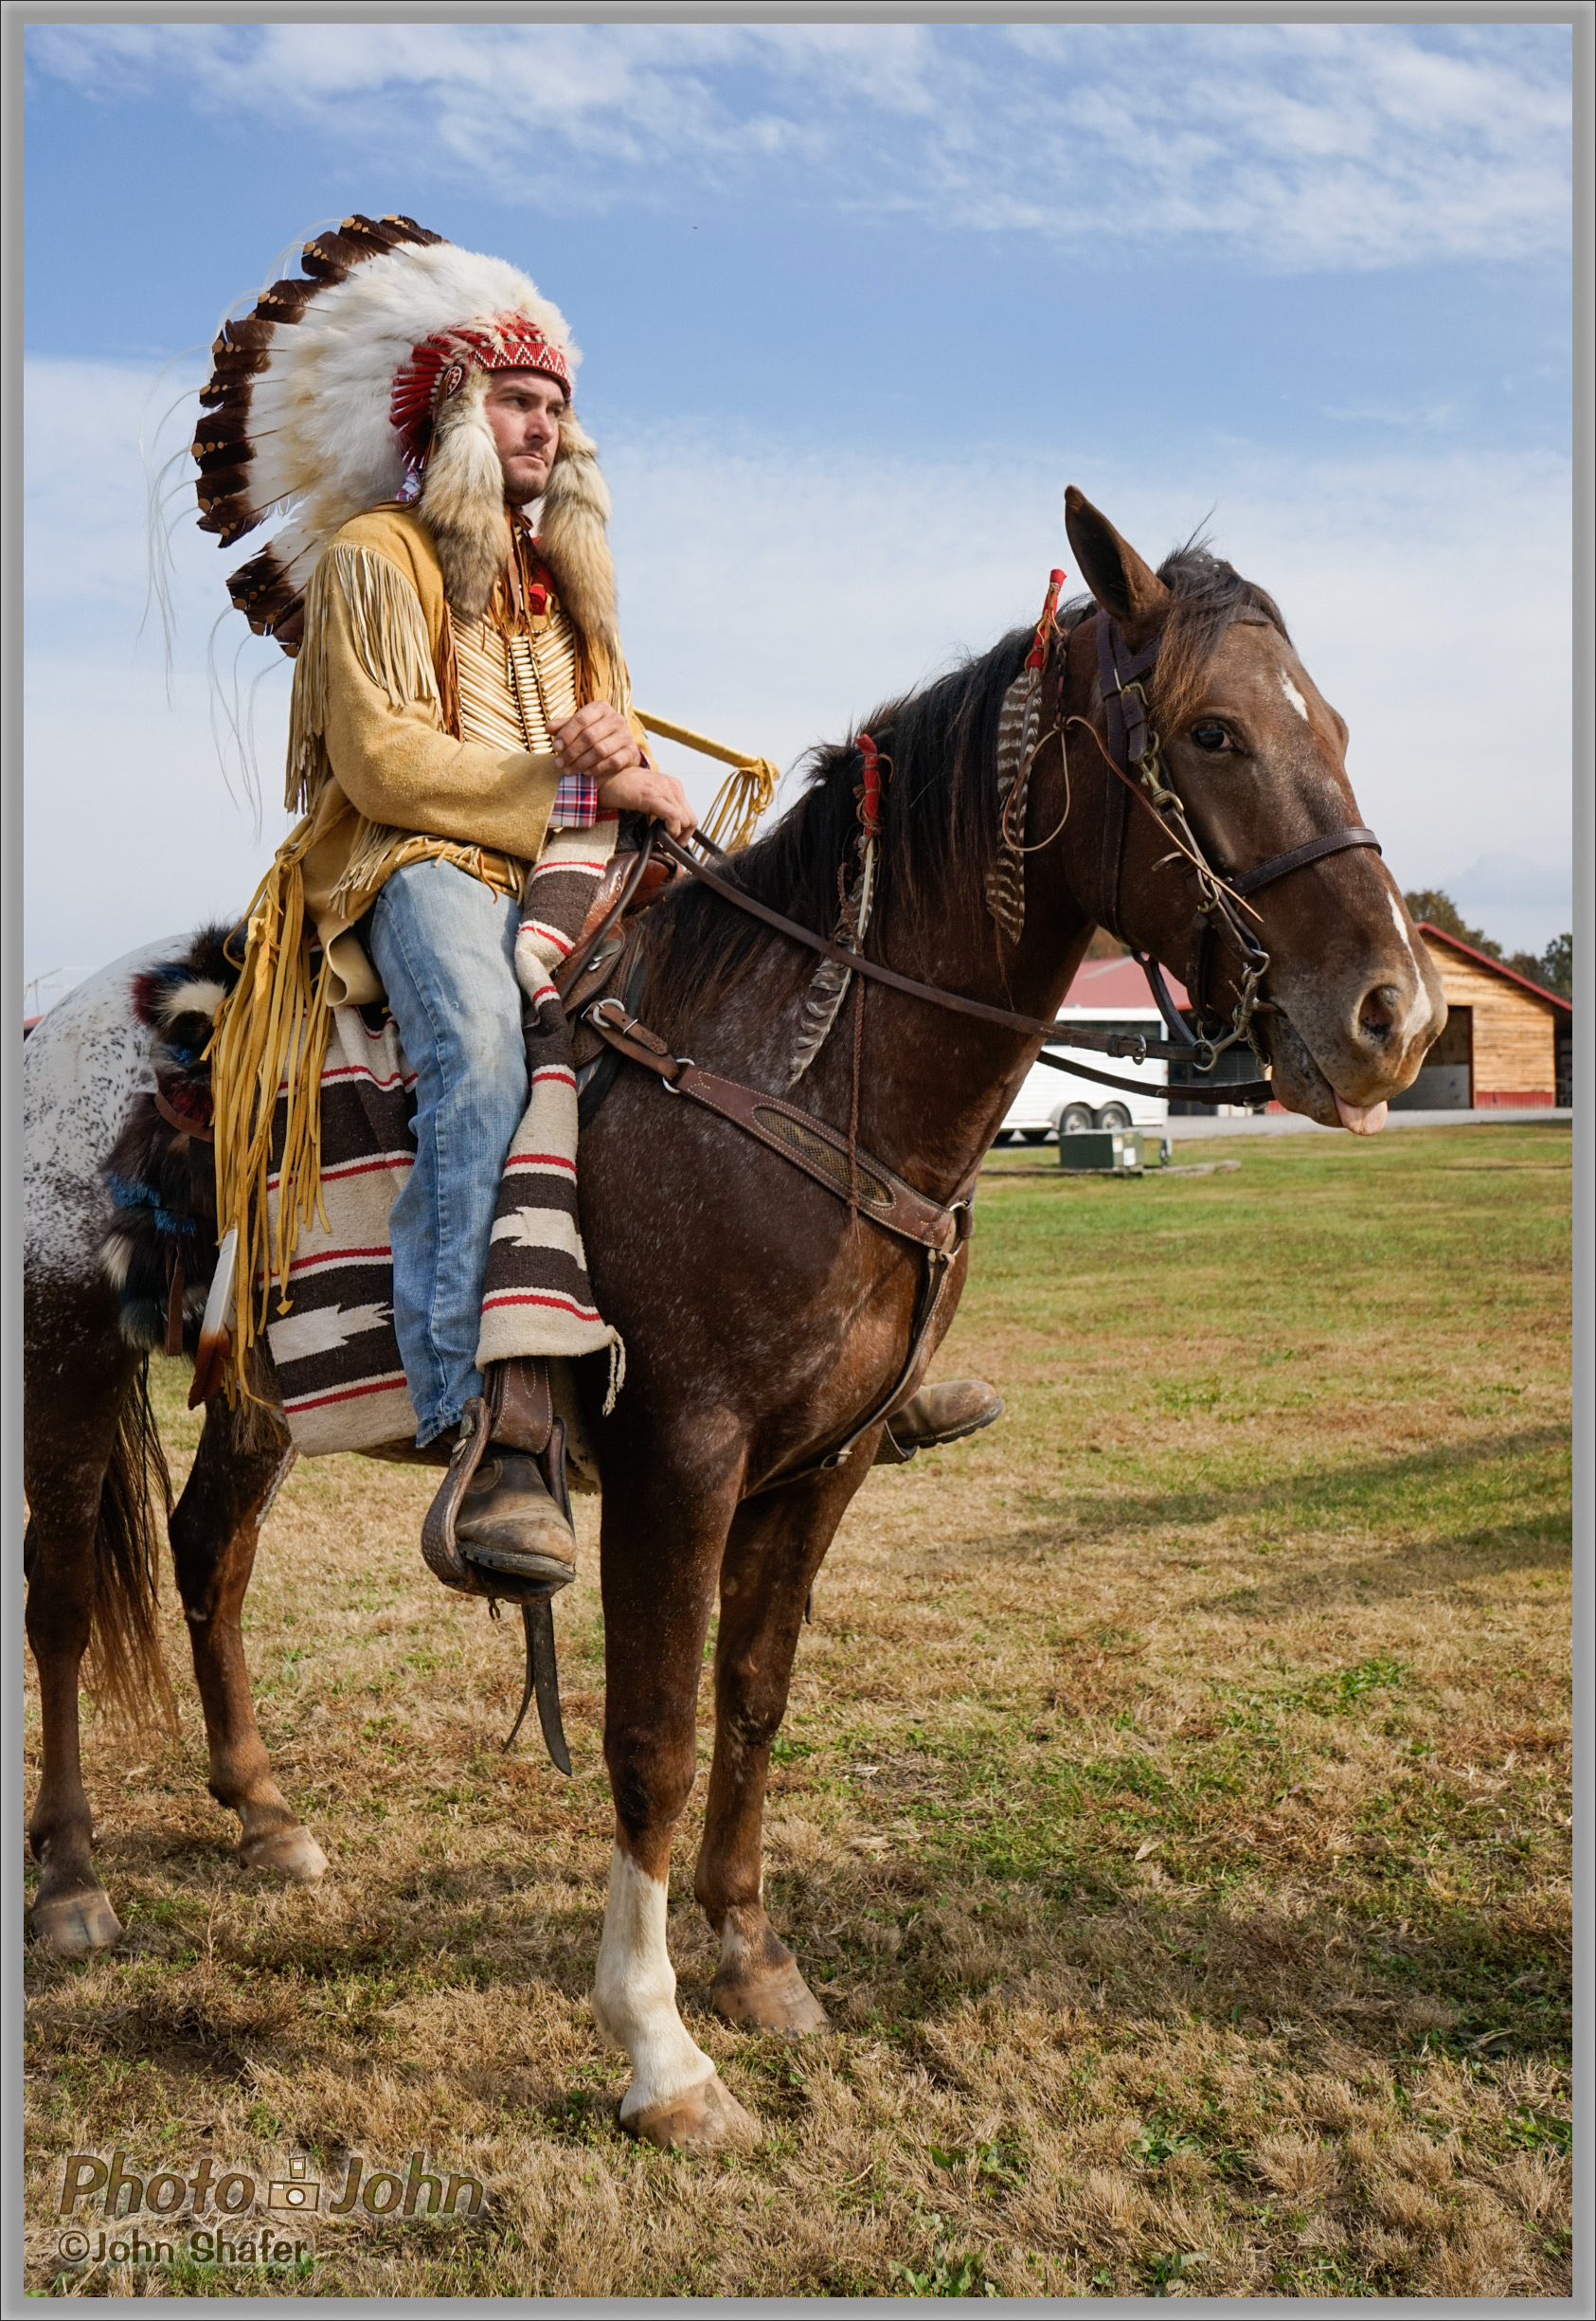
{"x":1018,"y":738}
{"x":828,"y":987}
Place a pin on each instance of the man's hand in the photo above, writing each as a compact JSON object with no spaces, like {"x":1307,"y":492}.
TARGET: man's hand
{"x":643,"y":789}
{"x":599,"y":742}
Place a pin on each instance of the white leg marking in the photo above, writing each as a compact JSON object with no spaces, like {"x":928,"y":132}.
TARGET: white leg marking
{"x":734,"y":1949}
{"x":634,"y":1993}
{"x":1293,"y":697}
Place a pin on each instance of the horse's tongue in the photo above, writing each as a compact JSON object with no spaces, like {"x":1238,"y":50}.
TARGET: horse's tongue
{"x":1362,"y":1119}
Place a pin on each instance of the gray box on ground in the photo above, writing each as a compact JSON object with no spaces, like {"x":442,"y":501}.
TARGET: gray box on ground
{"x":1117,"y":1150}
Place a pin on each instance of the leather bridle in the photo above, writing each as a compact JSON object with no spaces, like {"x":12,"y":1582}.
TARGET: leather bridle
{"x":1134,"y":754}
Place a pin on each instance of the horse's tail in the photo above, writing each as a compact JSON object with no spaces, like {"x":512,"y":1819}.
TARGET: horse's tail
{"x":126,"y":1670}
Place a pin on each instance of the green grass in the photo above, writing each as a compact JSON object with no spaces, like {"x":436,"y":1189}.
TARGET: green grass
{"x":1172,"y":1811}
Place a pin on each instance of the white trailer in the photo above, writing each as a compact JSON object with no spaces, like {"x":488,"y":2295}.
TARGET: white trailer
{"x":1050,"y":1100}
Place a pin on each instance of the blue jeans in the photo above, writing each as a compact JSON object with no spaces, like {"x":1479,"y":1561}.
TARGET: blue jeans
{"x":444,"y":946}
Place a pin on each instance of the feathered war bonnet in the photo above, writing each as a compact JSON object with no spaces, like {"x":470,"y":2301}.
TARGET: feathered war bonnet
{"x":365,"y":382}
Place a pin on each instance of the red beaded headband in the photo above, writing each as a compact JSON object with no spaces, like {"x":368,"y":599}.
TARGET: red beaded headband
{"x":440,"y":367}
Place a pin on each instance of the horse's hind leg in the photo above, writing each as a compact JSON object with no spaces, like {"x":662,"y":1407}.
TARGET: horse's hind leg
{"x":775,"y":1547}
{"x":87,"y":1560}
{"x":215,"y":1528}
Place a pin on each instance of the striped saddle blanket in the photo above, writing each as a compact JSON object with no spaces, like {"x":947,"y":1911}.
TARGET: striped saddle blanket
{"x":331,"y":1327}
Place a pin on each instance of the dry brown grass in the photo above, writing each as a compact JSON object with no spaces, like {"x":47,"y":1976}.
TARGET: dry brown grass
{"x":1172,"y":1814}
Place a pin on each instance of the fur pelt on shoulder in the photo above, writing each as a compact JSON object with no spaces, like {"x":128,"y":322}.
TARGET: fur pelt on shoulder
{"x":573,"y":540}
{"x":462,"y":501}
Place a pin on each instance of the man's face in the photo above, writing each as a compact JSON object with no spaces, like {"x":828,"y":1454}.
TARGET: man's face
{"x":523,"y":411}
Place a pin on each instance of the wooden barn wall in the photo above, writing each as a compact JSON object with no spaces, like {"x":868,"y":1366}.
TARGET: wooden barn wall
{"x":1514,"y":1052}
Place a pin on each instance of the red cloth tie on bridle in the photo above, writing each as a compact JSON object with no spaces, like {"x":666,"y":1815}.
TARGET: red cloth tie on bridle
{"x":1037,"y":656}
{"x":869,"y":796}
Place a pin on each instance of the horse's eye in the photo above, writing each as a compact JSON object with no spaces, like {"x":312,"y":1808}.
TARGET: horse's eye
{"x":1211,"y":737}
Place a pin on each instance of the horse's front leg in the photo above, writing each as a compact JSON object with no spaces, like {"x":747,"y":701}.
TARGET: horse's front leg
{"x":663,"y":1536}
{"x":214,"y":1529}
{"x":775,"y":1547}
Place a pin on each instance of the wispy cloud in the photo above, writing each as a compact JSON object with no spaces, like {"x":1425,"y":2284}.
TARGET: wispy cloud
{"x":1301,"y":146}
{"x":1411,"y":585}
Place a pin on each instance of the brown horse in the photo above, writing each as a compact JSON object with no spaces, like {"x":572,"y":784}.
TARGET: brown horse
{"x":763,"y":1320}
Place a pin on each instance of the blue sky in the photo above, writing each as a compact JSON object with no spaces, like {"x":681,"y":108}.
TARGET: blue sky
{"x":856,"y":302}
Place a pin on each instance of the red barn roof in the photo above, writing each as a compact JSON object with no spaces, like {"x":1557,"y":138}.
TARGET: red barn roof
{"x":1483,"y":958}
{"x":1120,"y":983}
{"x":1117,"y":984}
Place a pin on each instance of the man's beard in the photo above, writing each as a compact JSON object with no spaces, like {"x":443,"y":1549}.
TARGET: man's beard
{"x":518,"y":494}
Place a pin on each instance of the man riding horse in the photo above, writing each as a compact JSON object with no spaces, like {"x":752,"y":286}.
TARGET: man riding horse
{"x":460,"y":699}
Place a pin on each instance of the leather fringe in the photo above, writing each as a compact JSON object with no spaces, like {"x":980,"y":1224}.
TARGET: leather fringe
{"x":379,"y":850}
{"x":390,"y":641}
{"x":389,"y":632}
{"x":271,"y":1032}
{"x":449,"y":677}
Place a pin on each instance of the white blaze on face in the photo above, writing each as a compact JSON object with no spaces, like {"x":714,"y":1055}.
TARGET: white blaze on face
{"x":1419,"y":1005}
{"x":634,"y":1993}
{"x":1293,"y":695}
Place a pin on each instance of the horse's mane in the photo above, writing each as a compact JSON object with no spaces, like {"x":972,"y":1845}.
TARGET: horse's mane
{"x":940,"y":817}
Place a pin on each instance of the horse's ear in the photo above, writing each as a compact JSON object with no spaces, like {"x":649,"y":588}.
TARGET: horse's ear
{"x":1111,"y":568}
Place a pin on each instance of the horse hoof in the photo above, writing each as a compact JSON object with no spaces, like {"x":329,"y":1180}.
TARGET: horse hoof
{"x":290,"y":1853}
{"x":706,"y":2118}
{"x":74,"y":1925}
{"x":778,"y":2001}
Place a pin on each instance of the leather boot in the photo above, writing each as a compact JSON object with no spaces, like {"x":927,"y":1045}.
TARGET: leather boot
{"x":938,"y":1414}
{"x":508,"y":1523}
{"x":500,"y":1525}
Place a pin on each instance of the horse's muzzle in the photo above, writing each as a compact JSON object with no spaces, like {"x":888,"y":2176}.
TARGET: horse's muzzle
{"x":1341,"y":1078}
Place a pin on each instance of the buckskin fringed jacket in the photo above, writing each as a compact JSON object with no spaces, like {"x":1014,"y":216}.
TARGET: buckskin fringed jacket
{"x":410,"y":730}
